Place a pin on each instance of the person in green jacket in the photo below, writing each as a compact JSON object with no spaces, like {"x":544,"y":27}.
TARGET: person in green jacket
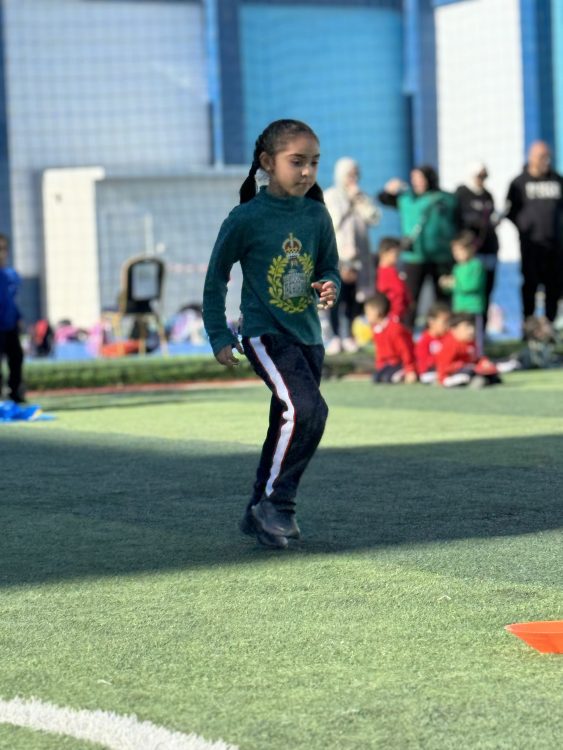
{"x":429,"y":222}
{"x":468,"y":282}
{"x":283,"y":238}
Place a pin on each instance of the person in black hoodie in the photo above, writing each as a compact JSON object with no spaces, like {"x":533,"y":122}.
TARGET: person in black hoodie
{"x":535,"y":206}
{"x":477,"y":214}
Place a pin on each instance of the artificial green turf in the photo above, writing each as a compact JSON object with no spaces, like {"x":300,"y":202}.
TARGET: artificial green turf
{"x":431,"y":519}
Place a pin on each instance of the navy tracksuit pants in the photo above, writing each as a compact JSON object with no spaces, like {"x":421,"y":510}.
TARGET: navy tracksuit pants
{"x":10,"y":347}
{"x":298,"y":413}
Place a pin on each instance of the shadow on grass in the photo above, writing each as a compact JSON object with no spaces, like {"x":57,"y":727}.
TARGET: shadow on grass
{"x":72,"y":508}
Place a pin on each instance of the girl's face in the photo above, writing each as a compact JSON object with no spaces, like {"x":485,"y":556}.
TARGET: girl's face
{"x":419,"y":182}
{"x":293,"y":170}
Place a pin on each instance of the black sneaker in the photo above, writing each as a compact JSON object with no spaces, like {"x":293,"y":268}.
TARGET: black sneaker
{"x":249,"y":526}
{"x":276,"y":520}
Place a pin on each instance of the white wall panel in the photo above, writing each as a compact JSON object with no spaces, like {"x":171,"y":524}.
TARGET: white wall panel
{"x":480,"y":97}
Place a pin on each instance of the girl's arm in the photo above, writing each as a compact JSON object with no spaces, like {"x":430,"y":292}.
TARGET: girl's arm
{"x":225,"y":253}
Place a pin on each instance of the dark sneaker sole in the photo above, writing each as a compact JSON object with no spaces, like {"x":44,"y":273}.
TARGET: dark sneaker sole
{"x":294,"y":533}
{"x":249,"y":527}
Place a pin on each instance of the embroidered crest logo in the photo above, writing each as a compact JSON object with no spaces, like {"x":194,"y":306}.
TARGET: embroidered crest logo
{"x":289,"y":277}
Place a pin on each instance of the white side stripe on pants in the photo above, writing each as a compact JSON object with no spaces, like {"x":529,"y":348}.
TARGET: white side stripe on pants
{"x":288,"y":415}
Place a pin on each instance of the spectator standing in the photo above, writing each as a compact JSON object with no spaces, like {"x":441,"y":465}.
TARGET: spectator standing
{"x":535,"y":206}
{"x":429,"y":221}
{"x":352,"y":213}
{"x":477,"y":214}
{"x":10,"y":321}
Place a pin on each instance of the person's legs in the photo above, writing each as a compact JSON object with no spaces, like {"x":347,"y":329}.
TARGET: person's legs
{"x":263,"y":471}
{"x":530,"y":278}
{"x":489,"y":286}
{"x":352,"y":308}
{"x":14,"y":355}
{"x":551,"y":279}
{"x":415,"y":273}
{"x":346,"y":305}
{"x":334,"y":317}
{"x":292,"y":372}
{"x":13,"y":351}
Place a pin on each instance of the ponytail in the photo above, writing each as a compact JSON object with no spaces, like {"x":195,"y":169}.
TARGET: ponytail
{"x":271,"y":141}
{"x":248,"y":188}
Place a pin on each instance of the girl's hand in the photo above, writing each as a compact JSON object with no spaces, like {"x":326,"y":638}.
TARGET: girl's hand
{"x":327,"y":293}
{"x":226,"y":357}
{"x":411,"y":378}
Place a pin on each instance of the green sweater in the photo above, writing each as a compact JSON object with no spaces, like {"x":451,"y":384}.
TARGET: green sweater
{"x":282,"y":245}
{"x":430,"y":220}
{"x":469,"y":291}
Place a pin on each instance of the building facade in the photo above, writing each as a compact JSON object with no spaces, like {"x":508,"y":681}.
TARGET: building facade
{"x":126,"y":126}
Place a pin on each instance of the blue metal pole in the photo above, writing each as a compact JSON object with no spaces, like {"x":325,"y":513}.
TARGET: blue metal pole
{"x":212,"y":46}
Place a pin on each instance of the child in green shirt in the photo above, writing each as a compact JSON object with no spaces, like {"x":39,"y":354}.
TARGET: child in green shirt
{"x":468,"y":282}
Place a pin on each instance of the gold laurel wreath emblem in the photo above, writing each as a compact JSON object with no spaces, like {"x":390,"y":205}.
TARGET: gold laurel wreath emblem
{"x":275,"y":281}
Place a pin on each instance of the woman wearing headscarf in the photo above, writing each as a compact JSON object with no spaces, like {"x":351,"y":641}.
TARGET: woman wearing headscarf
{"x":477,"y":213}
{"x":429,"y":222}
{"x":352,"y":212}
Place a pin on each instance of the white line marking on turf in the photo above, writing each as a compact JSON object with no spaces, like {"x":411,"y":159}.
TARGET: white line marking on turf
{"x":107,"y":729}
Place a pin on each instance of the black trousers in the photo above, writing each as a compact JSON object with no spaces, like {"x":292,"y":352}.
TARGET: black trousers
{"x":10,"y":347}
{"x":352,"y":308}
{"x":416,"y":274}
{"x":298,"y":413}
{"x":540,"y":265}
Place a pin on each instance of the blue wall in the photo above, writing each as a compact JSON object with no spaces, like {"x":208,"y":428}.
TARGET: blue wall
{"x":557,"y":20}
{"x":537,"y":69}
{"x":294,"y":63}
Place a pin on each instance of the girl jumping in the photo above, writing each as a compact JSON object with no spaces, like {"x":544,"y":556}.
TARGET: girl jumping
{"x":283,"y":237}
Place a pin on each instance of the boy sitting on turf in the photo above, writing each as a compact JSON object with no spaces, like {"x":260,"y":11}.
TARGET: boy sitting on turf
{"x":431,"y":340}
{"x":458,"y":362}
{"x":394,"y":349}
{"x":389,"y":281}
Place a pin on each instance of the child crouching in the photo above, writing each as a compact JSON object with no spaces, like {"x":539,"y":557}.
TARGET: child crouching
{"x":394,"y":348}
{"x":458,"y":362}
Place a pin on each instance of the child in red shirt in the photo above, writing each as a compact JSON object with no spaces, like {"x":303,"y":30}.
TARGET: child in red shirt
{"x":431,"y":340}
{"x":458,"y":363}
{"x":389,"y":281}
{"x":394,"y":358}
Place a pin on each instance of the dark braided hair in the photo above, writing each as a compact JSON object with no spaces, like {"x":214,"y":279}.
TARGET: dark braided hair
{"x":272,"y":140}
